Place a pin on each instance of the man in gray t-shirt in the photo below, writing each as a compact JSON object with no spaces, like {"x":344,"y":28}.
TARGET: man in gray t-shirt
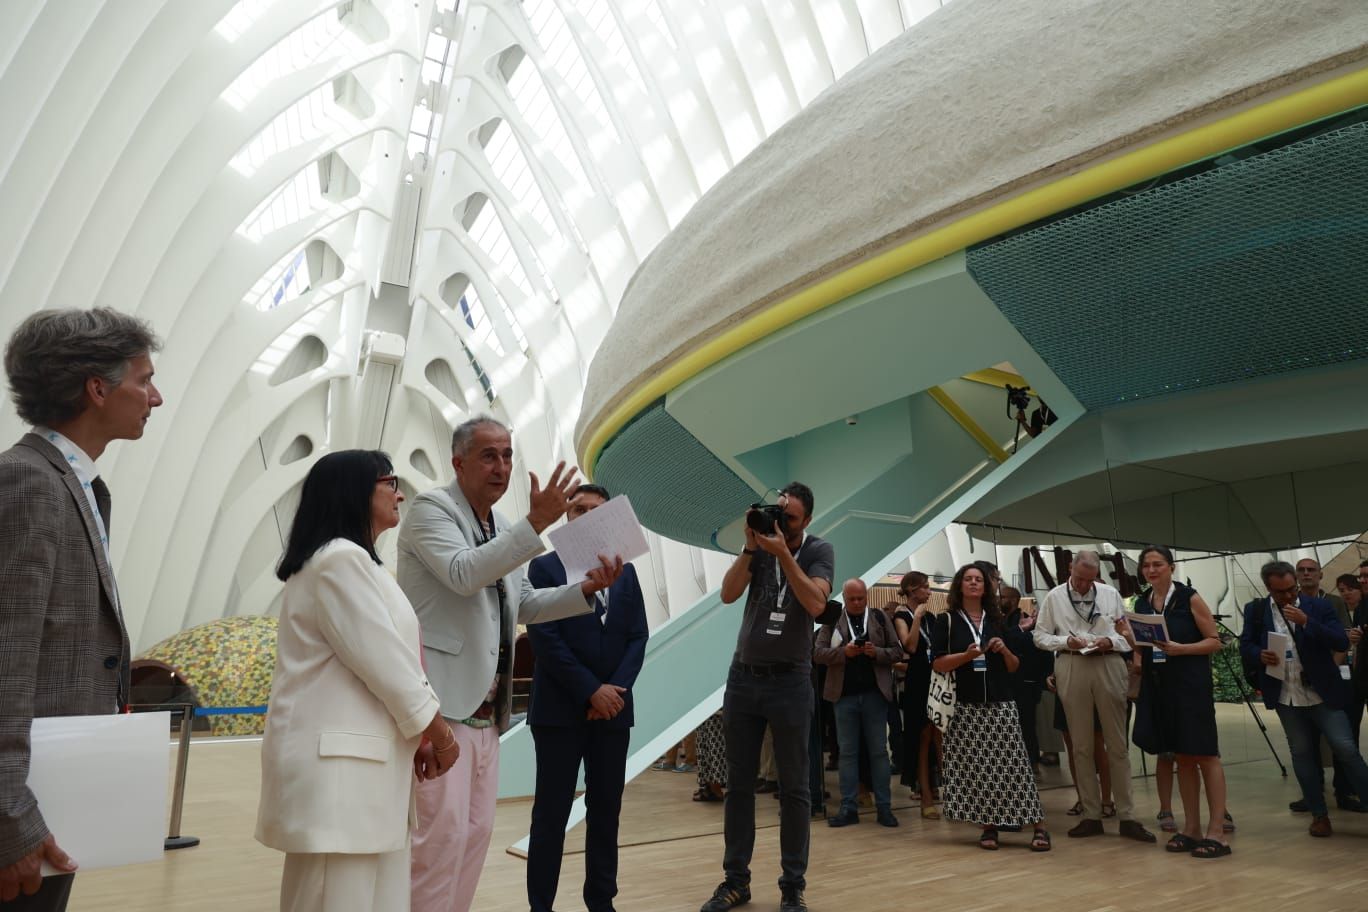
{"x":788,"y":576}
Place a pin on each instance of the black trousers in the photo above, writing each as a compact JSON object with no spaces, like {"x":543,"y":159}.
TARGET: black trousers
{"x":603,"y":751}
{"x":782,"y":703}
{"x":51,"y":897}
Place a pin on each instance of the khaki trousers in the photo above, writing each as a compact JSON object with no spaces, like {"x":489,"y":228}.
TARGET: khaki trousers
{"x":1088,"y":684}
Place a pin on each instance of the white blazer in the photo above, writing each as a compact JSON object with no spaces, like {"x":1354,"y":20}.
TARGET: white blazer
{"x":349,"y":703}
{"x":450,"y":579}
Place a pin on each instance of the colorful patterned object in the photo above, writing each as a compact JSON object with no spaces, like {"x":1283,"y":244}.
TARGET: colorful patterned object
{"x":228,"y":662}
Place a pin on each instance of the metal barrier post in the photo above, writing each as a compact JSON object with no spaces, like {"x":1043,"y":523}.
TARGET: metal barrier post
{"x":175,"y":840}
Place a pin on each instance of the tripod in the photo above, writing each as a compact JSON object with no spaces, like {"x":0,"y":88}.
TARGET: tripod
{"x":1237,"y":674}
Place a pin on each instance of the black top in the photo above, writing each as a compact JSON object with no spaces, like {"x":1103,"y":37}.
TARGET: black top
{"x":755,"y":645}
{"x":952,"y":633}
{"x":859,"y":671}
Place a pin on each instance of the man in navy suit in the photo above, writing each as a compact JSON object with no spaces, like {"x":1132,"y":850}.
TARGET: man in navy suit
{"x":581,"y":709}
{"x":1311,"y":695}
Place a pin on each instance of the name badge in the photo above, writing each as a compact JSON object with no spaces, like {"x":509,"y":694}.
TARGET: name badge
{"x":1287,"y":656}
{"x":980,"y":663}
{"x":775,"y":626}
{"x":1160,"y":657}
{"x":1344,"y":672}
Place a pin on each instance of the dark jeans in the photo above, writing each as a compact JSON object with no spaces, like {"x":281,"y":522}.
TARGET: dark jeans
{"x":782,"y":702}
{"x":1304,"y":726}
{"x":816,"y":783}
{"x":559,"y":752}
{"x":52,"y":896}
{"x":863,"y":718}
{"x":1354,"y":711}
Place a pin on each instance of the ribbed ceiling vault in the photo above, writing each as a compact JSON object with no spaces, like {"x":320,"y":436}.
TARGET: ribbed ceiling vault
{"x":357,"y":223}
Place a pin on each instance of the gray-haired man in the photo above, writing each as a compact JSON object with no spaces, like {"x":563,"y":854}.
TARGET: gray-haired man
{"x":81,"y":378}
{"x":1077,"y":621}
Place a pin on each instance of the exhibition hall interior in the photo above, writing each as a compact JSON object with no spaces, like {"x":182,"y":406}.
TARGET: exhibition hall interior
{"x":1035,"y":284}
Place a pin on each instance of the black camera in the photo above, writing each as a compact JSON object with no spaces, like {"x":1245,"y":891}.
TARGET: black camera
{"x":1018,"y":399}
{"x":763,"y":517}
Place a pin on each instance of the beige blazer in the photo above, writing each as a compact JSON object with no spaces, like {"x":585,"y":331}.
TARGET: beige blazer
{"x":349,"y":703}
{"x":887,"y":652}
{"x":451,"y":578}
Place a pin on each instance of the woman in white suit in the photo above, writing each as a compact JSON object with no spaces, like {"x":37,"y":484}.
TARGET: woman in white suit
{"x":352,"y":718}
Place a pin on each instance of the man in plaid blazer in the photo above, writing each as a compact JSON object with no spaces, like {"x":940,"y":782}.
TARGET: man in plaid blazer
{"x":82,"y":378}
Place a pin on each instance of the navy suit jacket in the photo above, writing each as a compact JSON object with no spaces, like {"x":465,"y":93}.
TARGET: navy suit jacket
{"x":1321,"y":636}
{"x":577,"y":654}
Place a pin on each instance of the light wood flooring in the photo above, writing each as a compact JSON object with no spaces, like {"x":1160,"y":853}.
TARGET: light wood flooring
{"x":672,"y":849}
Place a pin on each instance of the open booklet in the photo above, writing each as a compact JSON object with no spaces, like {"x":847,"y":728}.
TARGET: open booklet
{"x":611,"y":530}
{"x":1148,"y":628}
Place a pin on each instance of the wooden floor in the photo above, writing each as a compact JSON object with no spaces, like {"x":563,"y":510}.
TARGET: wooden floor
{"x":672,"y":850}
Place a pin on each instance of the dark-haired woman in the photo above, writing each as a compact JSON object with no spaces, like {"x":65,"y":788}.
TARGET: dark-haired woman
{"x":988,"y":778}
{"x":352,"y":718}
{"x":921,"y":739}
{"x":1176,"y":709}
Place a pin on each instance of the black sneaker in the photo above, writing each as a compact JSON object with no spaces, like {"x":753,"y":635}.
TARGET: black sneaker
{"x":727,"y":897}
{"x":1299,"y":806}
{"x":792,"y":900}
{"x":886,"y":818}
{"x":844,"y":818}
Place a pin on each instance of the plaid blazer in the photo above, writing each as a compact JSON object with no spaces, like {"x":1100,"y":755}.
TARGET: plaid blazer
{"x":63,"y":647}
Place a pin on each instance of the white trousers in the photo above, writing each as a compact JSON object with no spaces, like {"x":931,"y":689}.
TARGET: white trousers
{"x":455,"y":823}
{"x":345,"y":883}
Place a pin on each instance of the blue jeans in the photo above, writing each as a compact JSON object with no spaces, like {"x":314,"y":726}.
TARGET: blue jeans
{"x":1303,"y":726}
{"x":868,"y":713}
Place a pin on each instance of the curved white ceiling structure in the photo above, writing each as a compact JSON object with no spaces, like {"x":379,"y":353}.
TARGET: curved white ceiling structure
{"x":356,"y":223}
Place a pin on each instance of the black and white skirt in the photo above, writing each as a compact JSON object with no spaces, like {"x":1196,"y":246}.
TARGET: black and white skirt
{"x":988,"y":779}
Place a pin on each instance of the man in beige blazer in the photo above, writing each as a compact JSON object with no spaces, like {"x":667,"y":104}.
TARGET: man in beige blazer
{"x":462,"y":565}
{"x":82,"y":378}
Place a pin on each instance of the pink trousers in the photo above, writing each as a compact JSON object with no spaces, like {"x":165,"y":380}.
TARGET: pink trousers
{"x":455,"y":822}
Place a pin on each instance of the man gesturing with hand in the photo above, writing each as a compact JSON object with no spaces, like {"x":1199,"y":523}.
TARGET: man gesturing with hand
{"x":462,"y":564}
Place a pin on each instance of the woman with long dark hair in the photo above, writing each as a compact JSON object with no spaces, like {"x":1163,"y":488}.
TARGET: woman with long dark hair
{"x":352,"y":718}
{"x":1176,"y":710}
{"x":921,"y":739}
{"x":988,"y":778}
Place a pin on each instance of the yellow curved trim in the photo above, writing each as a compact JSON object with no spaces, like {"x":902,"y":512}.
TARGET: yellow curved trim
{"x":972,"y":427}
{"x":1331,"y":97}
{"x":991,"y":376}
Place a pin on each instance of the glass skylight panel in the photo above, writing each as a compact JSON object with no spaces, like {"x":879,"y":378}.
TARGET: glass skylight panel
{"x":285,"y":281}
{"x":298,"y":197}
{"x":510,"y":166}
{"x":657,"y":17}
{"x":289,"y":55}
{"x":472,"y":310}
{"x":532,"y":99}
{"x":564,"y":57}
{"x":313,"y":116}
{"x":488,"y":231}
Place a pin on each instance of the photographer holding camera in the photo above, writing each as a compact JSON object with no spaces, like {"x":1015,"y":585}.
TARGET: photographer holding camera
{"x":861,"y":649}
{"x":1041,"y":417}
{"x":788,"y":574}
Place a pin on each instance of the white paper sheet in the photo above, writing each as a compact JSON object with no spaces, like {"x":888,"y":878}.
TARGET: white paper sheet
{"x":101,"y":784}
{"x":611,"y":530}
{"x":1277,"y":642}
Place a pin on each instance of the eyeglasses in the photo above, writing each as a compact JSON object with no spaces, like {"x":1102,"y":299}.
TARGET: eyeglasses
{"x":1290,"y":590}
{"x":391,"y":480}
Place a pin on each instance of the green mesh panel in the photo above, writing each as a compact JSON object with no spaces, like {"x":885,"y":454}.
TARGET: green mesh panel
{"x":1256,"y":267}
{"x":703,"y":494}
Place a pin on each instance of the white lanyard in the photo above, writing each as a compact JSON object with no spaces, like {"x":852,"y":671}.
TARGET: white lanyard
{"x":851,"y":627}
{"x":782,"y":581}
{"x":977,"y":628}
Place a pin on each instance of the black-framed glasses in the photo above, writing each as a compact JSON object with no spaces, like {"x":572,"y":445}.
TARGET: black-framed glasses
{"x":391,"y":480}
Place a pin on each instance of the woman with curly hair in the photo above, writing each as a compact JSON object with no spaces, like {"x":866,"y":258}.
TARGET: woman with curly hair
{"x":988,"y":779}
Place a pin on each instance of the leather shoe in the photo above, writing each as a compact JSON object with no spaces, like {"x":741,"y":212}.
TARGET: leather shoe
{"x":1350,"y":803}
{"x":1134,"y":829}
{"x":1086,"y":827}
{"x":886,"y":818}
{"x":844,"y":818}
{"x":1299,"y":806}
{"x":1320,"y":826}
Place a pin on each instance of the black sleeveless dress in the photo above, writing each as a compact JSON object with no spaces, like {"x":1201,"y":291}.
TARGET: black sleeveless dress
{"x":1176,"y":712}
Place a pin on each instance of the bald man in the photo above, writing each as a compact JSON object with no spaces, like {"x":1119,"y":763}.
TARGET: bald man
{"x":860,"y":650}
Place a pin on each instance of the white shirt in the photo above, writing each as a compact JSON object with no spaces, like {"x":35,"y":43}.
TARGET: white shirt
{"x":1293,"y":692}
{"x":1091,"y":617}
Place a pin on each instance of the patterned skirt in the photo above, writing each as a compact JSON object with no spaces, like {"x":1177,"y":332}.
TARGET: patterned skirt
{"x":712,"y":752}
{"x":988,"y":779}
